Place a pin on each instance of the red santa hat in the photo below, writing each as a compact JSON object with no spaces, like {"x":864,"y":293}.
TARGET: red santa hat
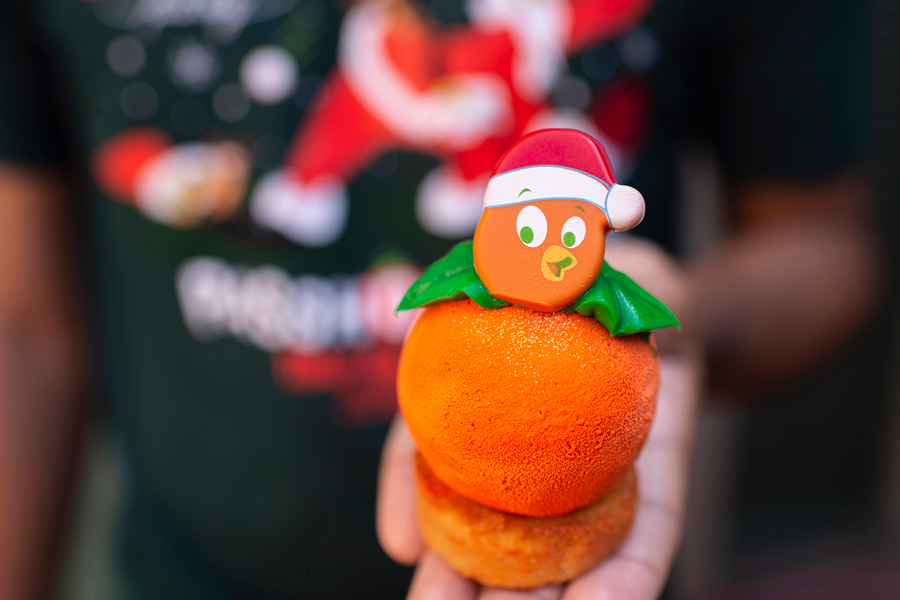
{"x":551,"y":164}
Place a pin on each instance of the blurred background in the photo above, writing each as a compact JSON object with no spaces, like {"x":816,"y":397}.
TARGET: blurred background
{"x":795,"y":488}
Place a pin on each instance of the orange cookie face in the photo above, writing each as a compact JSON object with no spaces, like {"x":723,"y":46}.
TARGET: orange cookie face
{"x":540,"y":255}
{"x":549,"y":204}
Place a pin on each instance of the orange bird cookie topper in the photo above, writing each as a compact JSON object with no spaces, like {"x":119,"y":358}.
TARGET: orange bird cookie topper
{"x":549,"y":205}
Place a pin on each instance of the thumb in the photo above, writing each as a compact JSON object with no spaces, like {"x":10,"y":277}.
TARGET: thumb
{"x":398,"y":530}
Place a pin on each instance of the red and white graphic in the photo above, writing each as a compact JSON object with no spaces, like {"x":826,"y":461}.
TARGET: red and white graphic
{"x":338,"y":335}
{"x":462,"y":94}
{"x":182,"y":185}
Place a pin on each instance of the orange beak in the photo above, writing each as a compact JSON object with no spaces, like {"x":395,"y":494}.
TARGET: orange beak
{"x":555,"y":262}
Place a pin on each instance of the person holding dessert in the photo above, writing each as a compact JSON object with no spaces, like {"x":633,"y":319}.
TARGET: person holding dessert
{"x":212,"y":210}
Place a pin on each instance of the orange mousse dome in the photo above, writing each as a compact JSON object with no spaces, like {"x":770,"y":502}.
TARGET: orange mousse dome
{"x":533,"y":413}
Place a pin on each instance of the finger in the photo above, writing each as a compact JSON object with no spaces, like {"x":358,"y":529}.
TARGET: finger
{"x":435,"y":580}
{"x":618,"y":579}
{"x":550,"y":592}
{"x":650,"y":267}
{"x":657,"y":272}
{"x":639,"y":568}
{"x":398,"y":530}
{"x":678,"y":399}
{"x":663,"y":463}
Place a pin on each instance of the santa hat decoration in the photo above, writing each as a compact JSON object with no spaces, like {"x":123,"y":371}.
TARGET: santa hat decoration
{"x":554,"y":164}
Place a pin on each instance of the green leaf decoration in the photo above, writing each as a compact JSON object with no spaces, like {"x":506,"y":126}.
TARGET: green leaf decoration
{"x":452,"y":277}
{"x":614,"y":299}
{"x":622,"y":306}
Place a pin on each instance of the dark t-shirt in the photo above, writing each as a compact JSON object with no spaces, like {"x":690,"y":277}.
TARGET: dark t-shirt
{"x":266,"y":177}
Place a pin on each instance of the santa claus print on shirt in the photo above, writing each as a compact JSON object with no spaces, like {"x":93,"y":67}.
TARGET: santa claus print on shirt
{"x":181,"y":185}
{"x":201,"y":137}
{"x":462,"y":94}
{"x":337,"y":334}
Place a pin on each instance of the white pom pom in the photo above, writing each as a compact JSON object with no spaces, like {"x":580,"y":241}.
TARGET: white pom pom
{"x":310,"y":214}
{"x":624,"y":207}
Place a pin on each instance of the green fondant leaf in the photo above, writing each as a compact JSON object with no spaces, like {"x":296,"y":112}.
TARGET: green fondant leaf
{"x":622,"y":306}
{"x":617,"y":302}
{"x":452,"y":277}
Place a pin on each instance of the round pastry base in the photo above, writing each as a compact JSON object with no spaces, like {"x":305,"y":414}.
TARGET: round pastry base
{"x":500,"y":549}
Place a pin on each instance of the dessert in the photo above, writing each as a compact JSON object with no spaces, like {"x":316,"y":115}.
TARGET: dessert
{"x":541,"y":413}
{"x":529,"y":380}
{"x":501,"y":549}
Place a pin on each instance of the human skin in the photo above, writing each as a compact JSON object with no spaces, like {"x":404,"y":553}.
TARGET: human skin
{"x":787,"y":241}
{"x":721,"y":299}
{"x":639,"y":567}
{"x":802,"y":259}
{"x":42,"y":374}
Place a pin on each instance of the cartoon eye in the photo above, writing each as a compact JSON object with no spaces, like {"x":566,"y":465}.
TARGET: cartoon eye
{"x":532,"y":226}
{"x":573,"y":232}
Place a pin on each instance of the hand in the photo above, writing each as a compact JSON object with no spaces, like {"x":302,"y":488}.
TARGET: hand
{"x":638,"y":569}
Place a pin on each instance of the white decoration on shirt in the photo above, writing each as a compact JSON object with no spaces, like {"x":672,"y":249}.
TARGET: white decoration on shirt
{"x":193,"y":65}
{"x":126,"y":55}
{"x":223,"y":19}
{"x":269,"y":74}
{"x":639,"y":49}
{"x":265,"y":307}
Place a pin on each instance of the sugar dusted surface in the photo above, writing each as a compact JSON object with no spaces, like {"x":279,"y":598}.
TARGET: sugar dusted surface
{"x":534,"y":413}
